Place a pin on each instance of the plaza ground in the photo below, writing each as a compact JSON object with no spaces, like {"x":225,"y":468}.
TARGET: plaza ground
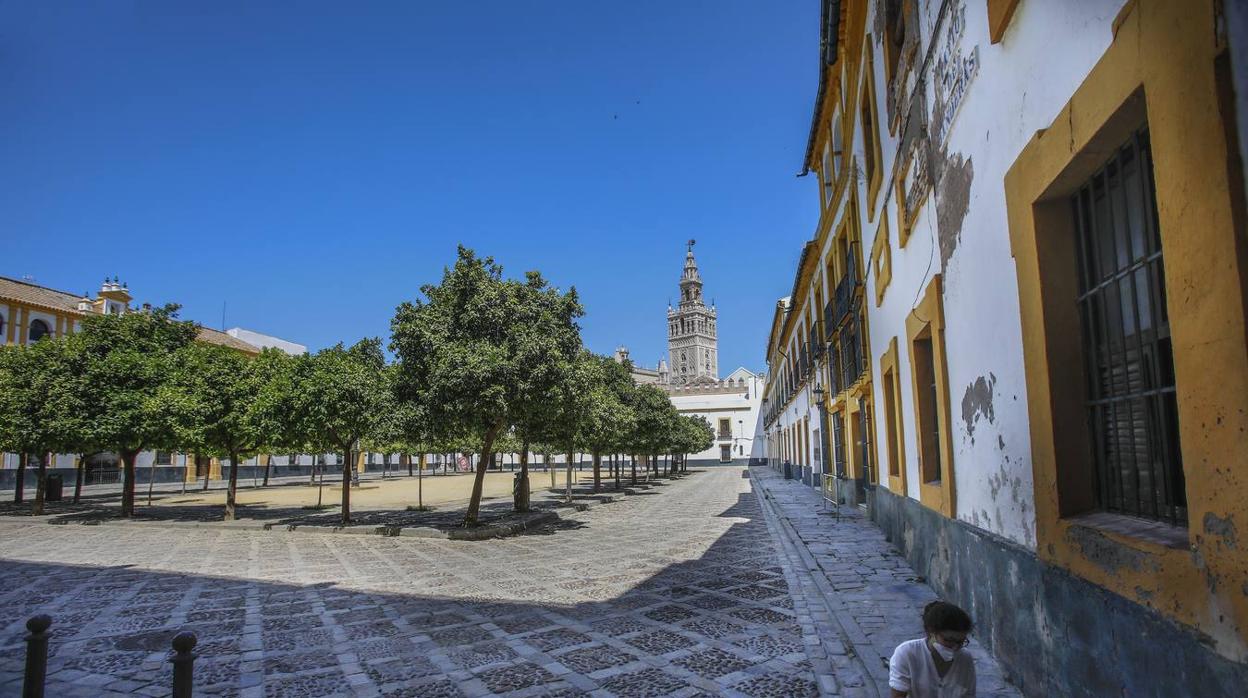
{"x":726,"y":582}
{"x":374,"y":492}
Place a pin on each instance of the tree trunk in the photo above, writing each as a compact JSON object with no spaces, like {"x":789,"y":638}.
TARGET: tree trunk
{"x":478,"y":482}
{"x":19,"y":488}
{"x":615,"y":466}
{"x":207,"y":472}
{"x":82,"y":471}
{"x":597,"y":471}
{"x":385,"y":464}
{"x":127,"y":487}
{"x":420,"y":482}
{"x":39,"y":484}
{"x":231,"y":488}
{"x":568,"y":480}
{"x":634,"y":467}
{"x":268,"y":466}
{"x":346,"y":485}
{"x":521,"y":493}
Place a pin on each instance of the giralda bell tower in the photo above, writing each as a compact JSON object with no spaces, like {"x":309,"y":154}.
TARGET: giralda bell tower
{"x":691,"y":336}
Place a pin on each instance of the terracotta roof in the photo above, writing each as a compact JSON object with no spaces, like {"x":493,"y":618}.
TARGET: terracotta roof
{"x":26,"y":292}
{"x":225,"y":340}
{"x":61,"y":301}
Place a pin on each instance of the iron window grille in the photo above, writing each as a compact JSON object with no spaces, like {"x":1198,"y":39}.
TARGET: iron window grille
{"x":838,"y":444}
{"x":1128,"y":357}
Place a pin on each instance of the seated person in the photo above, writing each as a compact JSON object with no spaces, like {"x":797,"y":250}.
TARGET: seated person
{"x":935,"y":666}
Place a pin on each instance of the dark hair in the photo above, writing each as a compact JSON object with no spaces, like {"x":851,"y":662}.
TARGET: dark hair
{"x":942,"y":615}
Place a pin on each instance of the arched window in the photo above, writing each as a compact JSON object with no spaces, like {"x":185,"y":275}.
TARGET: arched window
{"x":38,"y":330}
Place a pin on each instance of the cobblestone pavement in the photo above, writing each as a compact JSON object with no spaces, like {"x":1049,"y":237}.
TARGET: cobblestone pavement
{"x":683,"y":590}
{"x":678,"y":592}
{"x":863,"y":593}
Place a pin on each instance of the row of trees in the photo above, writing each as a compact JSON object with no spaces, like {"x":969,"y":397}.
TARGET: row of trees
{"x":480,"y":360}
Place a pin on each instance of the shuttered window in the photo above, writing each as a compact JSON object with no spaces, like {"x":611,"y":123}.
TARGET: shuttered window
{"x":1129,"y":365}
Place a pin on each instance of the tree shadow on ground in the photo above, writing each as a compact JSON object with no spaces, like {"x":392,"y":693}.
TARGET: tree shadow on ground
{"x":495,"y":511}
{"x":519,"y":618}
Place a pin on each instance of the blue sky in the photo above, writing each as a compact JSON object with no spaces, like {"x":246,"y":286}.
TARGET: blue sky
{"x":311,"y":168}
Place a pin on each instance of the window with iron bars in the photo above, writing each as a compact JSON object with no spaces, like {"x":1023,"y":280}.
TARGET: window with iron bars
{"x":838,"y":444}
{"x":1128,"y":358}
{"x":851,"y":351}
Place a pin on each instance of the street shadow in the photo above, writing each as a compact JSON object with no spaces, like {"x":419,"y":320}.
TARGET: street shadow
{"x":553,"y":620}
{"x":494,"y":511}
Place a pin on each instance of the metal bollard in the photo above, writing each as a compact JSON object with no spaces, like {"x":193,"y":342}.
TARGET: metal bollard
{"x":183,"y":660}
{"x":36,"y":656}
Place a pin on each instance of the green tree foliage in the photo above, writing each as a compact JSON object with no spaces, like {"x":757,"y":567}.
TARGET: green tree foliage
{"x":227,"y":404}
{"x":125,"y":362}
{"x":656,"y":421}
{"x":340,"y":395}
{"x":480,"y":351}
{"x":40,"y":407}
{"x":695,"y":435}
{"x":608,"y":419}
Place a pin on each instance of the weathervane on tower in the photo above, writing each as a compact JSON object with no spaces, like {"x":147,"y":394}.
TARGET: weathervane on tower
{"x":691,"y":243}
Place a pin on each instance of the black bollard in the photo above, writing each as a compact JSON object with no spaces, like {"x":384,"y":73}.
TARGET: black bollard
{"x":36,"y":656}
{"x":183,"y":664}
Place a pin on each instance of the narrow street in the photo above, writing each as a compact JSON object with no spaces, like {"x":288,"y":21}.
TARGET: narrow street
{"x":703,"y":588}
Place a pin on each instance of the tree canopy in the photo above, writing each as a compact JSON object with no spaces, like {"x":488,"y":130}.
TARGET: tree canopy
{"x":227,"y":404}
{"x":125,"y":362}
{"x":341,"y":395}
{"x":479,"y":350}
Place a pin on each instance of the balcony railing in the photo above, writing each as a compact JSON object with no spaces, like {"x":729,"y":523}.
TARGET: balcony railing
{"x":846,"y":288}
{"x":851,"y":353}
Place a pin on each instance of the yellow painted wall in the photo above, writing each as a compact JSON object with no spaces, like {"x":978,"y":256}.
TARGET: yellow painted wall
{"x":1160,"y":64}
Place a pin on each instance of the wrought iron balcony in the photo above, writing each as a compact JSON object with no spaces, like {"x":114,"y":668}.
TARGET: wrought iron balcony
{"x":846,"y":288}
{"x":853,"y":363}
{"x":817,"y":344}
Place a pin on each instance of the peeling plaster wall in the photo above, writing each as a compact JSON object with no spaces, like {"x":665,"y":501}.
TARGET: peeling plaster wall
{"x":961,"y":232}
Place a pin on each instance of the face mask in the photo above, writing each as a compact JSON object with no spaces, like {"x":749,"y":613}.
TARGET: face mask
{"x":944,"y":652}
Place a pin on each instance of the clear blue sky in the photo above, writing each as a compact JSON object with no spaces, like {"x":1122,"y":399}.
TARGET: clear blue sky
{"x":312,"y":168}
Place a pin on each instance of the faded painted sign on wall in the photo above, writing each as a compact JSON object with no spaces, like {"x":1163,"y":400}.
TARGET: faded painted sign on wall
{"x":952,"y":73}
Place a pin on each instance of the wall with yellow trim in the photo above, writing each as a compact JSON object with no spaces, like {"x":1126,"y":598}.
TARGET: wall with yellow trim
{"x":1160,"y":65}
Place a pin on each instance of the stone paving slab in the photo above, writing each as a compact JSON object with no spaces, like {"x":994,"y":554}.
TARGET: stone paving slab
{"x":864,"y":597}
{"x":681,"y":593}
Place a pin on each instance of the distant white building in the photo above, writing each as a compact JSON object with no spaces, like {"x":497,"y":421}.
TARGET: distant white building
{"x":731,"y":405}
{"x":265,"y":341}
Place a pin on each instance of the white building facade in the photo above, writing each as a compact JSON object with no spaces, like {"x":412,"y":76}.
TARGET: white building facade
{"x":1016,"y":336}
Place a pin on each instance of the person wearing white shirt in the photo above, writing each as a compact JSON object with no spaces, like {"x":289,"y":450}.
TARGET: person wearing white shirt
{"x":935,"y":666}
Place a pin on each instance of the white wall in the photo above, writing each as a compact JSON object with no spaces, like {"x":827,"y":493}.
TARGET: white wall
{"x":1020,"y":86}
{"x":742,"y":412}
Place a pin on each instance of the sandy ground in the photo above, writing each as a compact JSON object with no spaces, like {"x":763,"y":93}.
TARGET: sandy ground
{"x":390,"y":493}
